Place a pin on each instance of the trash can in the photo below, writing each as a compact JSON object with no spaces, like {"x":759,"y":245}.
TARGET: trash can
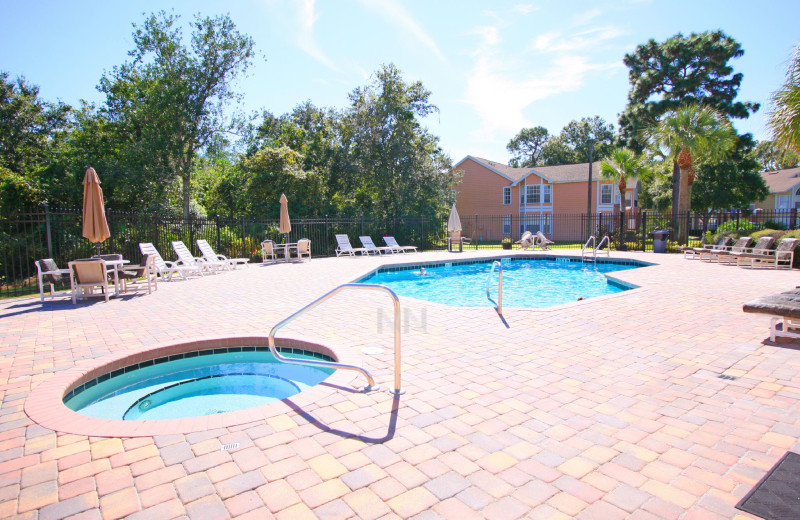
{"x":660,"y":240}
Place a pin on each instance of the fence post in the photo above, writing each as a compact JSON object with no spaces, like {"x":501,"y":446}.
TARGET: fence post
{"x":243,"y":241}
{"x":643,"y":225}
{"x":737,"y":218}
{"x":219,"y":244}
{"x":794,"y":218}
{"x":47,"y":230}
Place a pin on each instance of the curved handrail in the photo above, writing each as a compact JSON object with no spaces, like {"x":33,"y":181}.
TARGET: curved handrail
{"x":329,"y":364}
{"x":603,"y":241}
{"x":592,"y":239}
{"x":499,"y":285}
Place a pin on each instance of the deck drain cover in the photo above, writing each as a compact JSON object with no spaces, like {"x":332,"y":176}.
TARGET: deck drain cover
{"x":729,"y":378}
{"x":229,"y":447}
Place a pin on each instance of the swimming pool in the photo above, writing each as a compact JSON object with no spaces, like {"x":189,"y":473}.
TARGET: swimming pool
{"x":527,"y":282}
{"x":196,"y":384}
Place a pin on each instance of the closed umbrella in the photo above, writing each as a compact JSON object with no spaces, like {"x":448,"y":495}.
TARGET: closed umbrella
{"x":285,"y":224}
{"x":453,"y":223}
{"x":95,"y":226}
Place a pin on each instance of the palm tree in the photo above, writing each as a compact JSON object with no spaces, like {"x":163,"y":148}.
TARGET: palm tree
{"x":621,"y":166}
{"x":692,"y":132}
{"x":784,"y":115}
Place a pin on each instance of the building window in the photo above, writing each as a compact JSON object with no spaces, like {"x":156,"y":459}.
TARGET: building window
{"x":547,"y":196}
{"x":605,"y":194}
{"x":530,"y":195}
{"x":506,"y":195}
{"x":507,"y":224}
{"x":534,"y":223}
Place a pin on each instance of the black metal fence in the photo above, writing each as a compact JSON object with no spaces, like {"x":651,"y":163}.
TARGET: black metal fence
{"x":47,"y":233}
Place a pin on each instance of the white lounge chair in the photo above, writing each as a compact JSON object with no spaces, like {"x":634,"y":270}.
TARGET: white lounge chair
{"x":163,"y":268}
{"x":191,"y":263}
{"x":542,"y":241}
{"x":526,"y":241}
{"x":210,"y":256}
{"x":372,"y":249}
{"x":397,"y":248}
{"x":343,"y":247}
{"x":85,"y":275}
{"x":781,"y":256}
{"x":47,"y":272}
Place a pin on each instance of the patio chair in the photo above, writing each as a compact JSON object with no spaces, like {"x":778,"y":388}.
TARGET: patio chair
{"x":194,"y":264}
{"x":526,"y":241}
{"x":763,"y":244}
{"x":542,"y":241}
{"x":343,"y":246}
{"x":694,"y":252}
{"x":304,"y":249}
{"x":456,"y":238}
{"x":268,"y":250}
{"x":781,"y":256}
{"x":134,"y":273}
{"x":715,"y":254}
{"x":85,"y":275}
{"x":163,"y":268}
{"x":210,"y":256}
{"x":785,"y":311}
{"x":47,"y":272}
{"x":372,"y":249}
{"x":397,"y":248}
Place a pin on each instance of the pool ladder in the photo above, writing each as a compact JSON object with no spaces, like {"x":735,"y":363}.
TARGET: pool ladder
{"x":330,"y":364}
{"x":594,"y":249}
{"x":498,"y":265}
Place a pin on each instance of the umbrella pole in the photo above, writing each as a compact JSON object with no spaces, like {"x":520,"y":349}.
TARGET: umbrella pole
{"x":97,"y":245}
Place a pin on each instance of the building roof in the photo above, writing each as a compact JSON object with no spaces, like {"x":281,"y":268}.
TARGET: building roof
{"x":779,"y":181}
{"x":555,"y":174}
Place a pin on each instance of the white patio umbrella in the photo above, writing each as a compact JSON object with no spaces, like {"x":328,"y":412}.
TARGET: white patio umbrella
{"x":454,"y":222}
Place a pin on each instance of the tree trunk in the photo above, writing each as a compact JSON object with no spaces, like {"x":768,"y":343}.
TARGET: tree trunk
{"x":187,"y":193}
{"x":683,"y":206}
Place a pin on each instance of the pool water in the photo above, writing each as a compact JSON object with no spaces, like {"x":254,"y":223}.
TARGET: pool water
{"x":201,"y":384}
{"x":534,"y":283}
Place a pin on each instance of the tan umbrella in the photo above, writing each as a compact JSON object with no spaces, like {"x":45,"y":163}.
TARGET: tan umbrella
{"x":285,"y":224}
{"x":453,"y":223}
{"x":95,"y":226}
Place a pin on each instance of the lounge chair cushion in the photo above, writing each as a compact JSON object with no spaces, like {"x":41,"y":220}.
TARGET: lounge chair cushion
{"x":786,"y":304}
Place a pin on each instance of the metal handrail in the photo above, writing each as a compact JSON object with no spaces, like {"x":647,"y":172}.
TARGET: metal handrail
{"x":603,"y":241}
{"x":329,"y":364}
{"x":499,"y":285}
{"x":592,"y":239}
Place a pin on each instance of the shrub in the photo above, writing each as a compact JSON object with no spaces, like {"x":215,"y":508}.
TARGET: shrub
{"x":772,"y":224}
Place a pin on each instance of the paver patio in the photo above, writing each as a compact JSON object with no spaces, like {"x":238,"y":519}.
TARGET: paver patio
{"x":664,"y":402}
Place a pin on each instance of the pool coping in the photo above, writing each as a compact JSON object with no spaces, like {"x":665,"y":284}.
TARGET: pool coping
{"x":45,"y":404}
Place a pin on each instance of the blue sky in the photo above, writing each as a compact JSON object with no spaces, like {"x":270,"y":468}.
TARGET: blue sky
{"x":492,"y":67}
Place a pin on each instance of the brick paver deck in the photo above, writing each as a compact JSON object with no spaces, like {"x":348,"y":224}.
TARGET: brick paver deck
{"x":664,"y":402}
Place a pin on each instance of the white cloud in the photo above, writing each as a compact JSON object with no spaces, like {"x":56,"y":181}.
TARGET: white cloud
{"x":499,"y":98}
{"x":524,"y":9}
{"x":555,"y":41}
{"x":588,"y":16}
{"x":399,"y":15}
{"x":307,"y":17}
{"x":488,"y":33}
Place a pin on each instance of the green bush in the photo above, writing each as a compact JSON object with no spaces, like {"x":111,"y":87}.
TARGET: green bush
{"x":772,"y":224}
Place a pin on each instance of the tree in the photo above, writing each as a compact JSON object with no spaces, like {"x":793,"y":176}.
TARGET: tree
{"x":168,"y":102}
{"x":389,"y":164}
{"x":621,"y":166}
{"x":733,"y":182}
{"x":677,"y":72}
{"x":572,"y":145}
{"x":771,"y":157}
{"x":784,"y":115}
{"x":692,"y":132}
{"x":682,"y":70}
{"x":527,"y":146}
{"x":32,"y":134}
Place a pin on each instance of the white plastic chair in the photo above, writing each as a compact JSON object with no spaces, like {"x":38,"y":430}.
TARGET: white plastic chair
{"x":210,"y":256}
{"x":85,"y":275}
{"x":397,"y":248}
{"x":192,"y":264}
{"x":163,"y":268}
{"x":372,"y":249}
{"x":48,"y":272}
{"x":344,"y":248}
